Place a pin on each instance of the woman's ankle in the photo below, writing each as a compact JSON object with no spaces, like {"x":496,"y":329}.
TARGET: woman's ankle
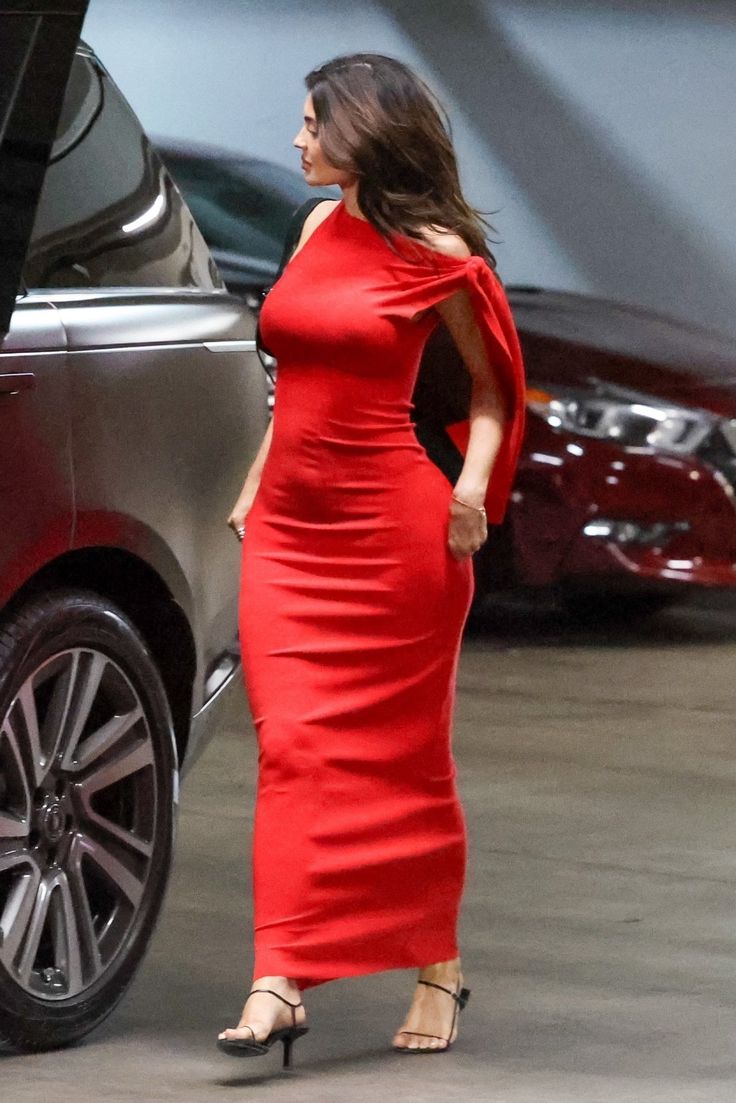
{"x":440,"y":970}
{"x":285,"y":986}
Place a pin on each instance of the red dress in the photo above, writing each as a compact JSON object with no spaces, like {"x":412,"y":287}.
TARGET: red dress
{"x":351,"y":613}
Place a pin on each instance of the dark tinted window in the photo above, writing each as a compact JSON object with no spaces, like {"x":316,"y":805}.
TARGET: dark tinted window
{"x":242,"y":205}
{"x":109,"y":215}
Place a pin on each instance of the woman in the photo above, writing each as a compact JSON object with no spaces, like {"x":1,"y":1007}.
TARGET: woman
{"x":357,"y":569}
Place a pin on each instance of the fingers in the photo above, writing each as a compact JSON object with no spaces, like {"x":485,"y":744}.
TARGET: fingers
{"x":239,"y":514}
{"x":238,"y":527}
{"x":466,"y":535}
{"x":461,"y":553}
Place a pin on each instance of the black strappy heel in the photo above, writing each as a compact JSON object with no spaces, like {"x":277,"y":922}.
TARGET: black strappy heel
{"x":245,"y":1047}
{"x":460,"y":998}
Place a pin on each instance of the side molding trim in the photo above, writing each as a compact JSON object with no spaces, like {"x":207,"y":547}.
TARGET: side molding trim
{"x":230,"y":346}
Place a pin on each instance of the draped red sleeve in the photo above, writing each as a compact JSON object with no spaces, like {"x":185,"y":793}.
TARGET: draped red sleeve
{"x":423,"y":284}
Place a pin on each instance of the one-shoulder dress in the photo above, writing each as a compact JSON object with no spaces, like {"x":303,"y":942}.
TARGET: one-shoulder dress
{"x":352,"y":609}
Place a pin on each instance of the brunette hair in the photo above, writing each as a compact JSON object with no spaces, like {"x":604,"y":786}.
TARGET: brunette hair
{"x":378,"y":119}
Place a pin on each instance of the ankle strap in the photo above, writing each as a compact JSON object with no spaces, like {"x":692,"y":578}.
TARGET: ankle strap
{"x":283,"y":999}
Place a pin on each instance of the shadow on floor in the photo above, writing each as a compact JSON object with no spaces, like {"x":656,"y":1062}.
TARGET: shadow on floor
{"x":511,"y":621}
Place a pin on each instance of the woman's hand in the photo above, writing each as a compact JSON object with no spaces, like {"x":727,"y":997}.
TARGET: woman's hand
{"x":468,"y":529}
{"x":241,"y":509}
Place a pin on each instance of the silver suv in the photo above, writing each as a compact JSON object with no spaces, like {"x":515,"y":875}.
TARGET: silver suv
{"x":131,"y":404}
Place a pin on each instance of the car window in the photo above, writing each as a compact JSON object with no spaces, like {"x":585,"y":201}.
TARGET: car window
{"x":227,"y":223}
{"x":109,"y":214}
{"x":240,"y":206}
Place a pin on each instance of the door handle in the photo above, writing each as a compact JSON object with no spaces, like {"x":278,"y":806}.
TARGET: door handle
{"x":11,"y":382}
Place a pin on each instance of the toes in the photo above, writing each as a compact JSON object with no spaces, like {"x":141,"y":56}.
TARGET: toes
{"x":235,"y":1033}
{"x":419,"y":1043}
{"x":433,"y":1043}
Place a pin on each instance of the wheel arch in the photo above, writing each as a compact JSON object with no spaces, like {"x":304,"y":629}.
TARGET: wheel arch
{"x":135,"y":587}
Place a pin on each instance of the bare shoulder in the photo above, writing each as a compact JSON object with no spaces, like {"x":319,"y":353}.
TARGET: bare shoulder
{"x":445,"y":241}
{"x":317,"y":215}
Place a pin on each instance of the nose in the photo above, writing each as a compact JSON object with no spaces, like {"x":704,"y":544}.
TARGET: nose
{"x":299,"y":141}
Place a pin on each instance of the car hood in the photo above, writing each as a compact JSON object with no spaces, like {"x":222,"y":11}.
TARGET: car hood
{"x":577,"y":340}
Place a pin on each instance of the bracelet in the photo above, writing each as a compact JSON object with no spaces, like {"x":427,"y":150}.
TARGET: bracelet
{"x":480,"y":509}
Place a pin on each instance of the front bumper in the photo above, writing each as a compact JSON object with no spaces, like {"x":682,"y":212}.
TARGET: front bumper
{"x":589,"y":512}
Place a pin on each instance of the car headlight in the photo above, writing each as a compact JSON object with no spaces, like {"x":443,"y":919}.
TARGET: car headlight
{"x":625,"y":417}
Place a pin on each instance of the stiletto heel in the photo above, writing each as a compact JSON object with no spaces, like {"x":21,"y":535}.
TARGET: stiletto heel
{"x":251,"y":1047}
{"x":460,"y":998}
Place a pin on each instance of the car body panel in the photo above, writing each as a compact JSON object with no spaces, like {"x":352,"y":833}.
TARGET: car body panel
{"x":169,"y":405}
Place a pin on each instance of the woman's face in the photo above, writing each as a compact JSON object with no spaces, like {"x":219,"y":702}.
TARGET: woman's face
{"x":318,"y":172}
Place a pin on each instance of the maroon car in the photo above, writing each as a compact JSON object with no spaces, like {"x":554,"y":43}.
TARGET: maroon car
{"x":624,"y":496}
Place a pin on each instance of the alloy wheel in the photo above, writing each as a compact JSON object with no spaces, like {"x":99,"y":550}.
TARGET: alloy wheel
{"x":78,"y":821}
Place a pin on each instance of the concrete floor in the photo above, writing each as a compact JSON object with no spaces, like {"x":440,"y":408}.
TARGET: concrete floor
{"x":599,"y":923}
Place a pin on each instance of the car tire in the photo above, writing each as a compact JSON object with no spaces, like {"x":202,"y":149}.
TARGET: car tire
{"x":88,"y":785}
{"x":600,"y":607}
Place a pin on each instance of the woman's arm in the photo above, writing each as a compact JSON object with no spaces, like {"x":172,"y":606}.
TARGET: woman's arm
{"x":244,"y":501}
{"x":487,"y":418}
{"x":487,"y":415}
{"x":487,"y":412}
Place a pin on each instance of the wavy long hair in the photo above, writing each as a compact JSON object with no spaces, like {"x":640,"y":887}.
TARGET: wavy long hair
{"x":377,"y":119}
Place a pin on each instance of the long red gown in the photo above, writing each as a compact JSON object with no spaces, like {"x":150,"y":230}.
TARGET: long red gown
{"x":352,"y":609}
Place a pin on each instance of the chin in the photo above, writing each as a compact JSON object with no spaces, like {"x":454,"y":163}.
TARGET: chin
{"x":324,"y":178}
